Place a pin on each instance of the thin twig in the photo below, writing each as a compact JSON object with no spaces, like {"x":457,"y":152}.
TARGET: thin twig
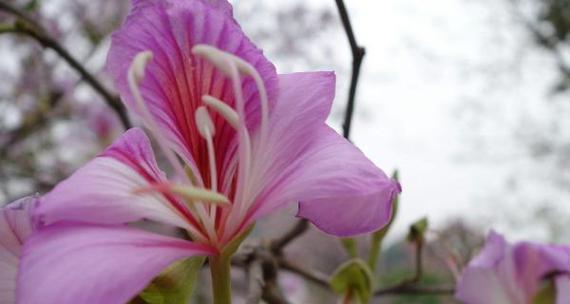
{"x":406,"y":284}
{"x":358,"y":53}
{"x":415,"y":290}
{"x":33,"y":30}
{"x":311,"y":276}
{"x":549,"y":42}
{"x":399,"y":289}
{"x":255,"y":282}
{"x":277,"y":245}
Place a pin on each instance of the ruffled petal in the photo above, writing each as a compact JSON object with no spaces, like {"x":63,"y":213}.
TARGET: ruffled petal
{"x":104,"y":191}
{"x":340,"y":190}
{"x":15,"y":226}
{"x":175,"y":79}
{"x":74,"y":263}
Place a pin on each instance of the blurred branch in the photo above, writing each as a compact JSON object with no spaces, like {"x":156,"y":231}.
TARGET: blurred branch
{"x":33,"y":30}
{"x":262,"y":269}
{"x":404,"y":288}
{"x":550,"y":42}
{"x":32,"y":122}
{"x":415,"y":290}
{"x":358,"y":53}
{"x":278,"y":244}
{"x":311,"y":276}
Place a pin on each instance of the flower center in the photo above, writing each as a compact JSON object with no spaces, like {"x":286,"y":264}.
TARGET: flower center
{"x":207,"y":205}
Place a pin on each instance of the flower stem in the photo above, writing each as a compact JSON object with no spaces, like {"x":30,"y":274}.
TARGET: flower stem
{"x":221,"y":281}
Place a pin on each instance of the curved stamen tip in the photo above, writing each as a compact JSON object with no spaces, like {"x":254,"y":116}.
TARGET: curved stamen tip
{"x":204,"y":122}
{"x":138,"y":65}
{"x":215,"y":56}
{"x":229,"y":114}
{"x":190,"y":194}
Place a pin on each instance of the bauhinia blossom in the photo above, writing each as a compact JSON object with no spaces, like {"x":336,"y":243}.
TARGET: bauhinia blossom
{"x":16,"y":225}
{"x":241,"y":140}
{"x":515,"y":274}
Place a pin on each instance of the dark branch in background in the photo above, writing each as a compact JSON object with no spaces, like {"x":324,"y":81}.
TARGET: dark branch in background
{"x":277,"y":245}
{"x":549,"y":42}
{"x":399,"y":289}
{"x":32,"y":29}
{"x":358,"y":53}
{"x":31,"y":124}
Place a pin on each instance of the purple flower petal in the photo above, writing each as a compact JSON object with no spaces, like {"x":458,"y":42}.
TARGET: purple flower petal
{"x":512,"y":273}
{"x":15,"y":226}
{"x":104,"y":191}
{"x":73,"y":263}
{"x":176,"y":80}
{"x":562,"y":283}
{"x":340,"y":190}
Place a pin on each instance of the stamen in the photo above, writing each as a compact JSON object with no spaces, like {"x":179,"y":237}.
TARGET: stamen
{"x":215,"y":56}
{"x":223,"y":109}
{"x":191,"y":195}
{"x":134,"y":77}
{"x":204,"y":122}
{"x":207,"y":130}
{"x":247,"y":69}
{"x":228,"y":65}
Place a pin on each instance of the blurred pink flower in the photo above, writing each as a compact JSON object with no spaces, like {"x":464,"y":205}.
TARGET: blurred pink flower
{"x":504,"y":273}
{"x":250,"y":142}
{"x":15,"y":227}
{"x":100,"y":120}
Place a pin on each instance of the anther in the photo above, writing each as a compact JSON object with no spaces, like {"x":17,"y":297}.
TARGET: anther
{"x":215,"y":56}
{"x":189,"y":194}
{"x":137,"y":68}
{"x":229,"y":114}
{"x":204,"y":122}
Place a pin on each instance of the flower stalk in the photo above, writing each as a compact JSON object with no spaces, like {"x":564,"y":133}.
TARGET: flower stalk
{"x":220,"y":267}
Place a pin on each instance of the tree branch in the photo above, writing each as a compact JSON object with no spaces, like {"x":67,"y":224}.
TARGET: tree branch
{"x":33,"y":30}
{"x":358,"y":53}
{"x":404,"y":288}
{"x":549,"y":42}
{"x":277,"y":245}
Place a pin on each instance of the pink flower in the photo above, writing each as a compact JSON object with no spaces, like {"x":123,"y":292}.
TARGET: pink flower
{"x":242,"y":141}
{"x":16,"y":225}
{"x":504,"y":273}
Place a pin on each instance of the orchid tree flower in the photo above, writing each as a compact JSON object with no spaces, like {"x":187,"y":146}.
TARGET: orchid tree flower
{"x":16,"y":225}
{"x":523,"y":273}
{"x":241,"y":141}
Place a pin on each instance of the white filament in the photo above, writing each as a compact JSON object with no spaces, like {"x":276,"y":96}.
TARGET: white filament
{"x":206,"y":128}
{"x":227,"y":65}
{"x":204,"y":122}
{"x":134,"y":77}
{"x":223,"y":109}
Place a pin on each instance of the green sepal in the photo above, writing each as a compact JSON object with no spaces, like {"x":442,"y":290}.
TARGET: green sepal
{"x":418,"y":230}
{"x":174,"y":285}
{"x":350,"y":246}
{"x":32,"y":5}
{"x":233,"y":246}
{"x":546,"y":294}
{"x":379,"y":235}
{"x":355,"y":277}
